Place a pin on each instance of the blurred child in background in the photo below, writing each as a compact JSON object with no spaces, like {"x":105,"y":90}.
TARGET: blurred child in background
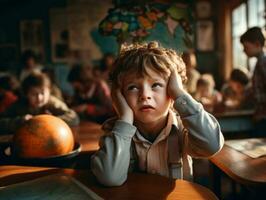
{"x":193,"y":75}
{"x":36,"y":99}
{"x":92,"y":99}
{"x":206,"y":93}
{"x":236,"y":92}
{"x":105,"y":66}
{"x":29,"y":64}
{"x":7,"y":96}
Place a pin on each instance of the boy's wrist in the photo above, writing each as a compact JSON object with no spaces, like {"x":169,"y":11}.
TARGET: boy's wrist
{"x":178,"y":92}
{"x":127,"y":118}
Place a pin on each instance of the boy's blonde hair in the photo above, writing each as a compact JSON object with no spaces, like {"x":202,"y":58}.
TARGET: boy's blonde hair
{"x":137,"y":58}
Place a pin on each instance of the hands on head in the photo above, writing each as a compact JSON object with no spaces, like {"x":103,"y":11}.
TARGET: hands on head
{"x":121,"y":106}
{"x":175,"y":86}
{"x":123,"y":110}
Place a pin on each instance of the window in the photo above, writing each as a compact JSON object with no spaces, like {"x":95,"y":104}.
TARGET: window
{"x":239,"y":26}
{"x":246,"y":15}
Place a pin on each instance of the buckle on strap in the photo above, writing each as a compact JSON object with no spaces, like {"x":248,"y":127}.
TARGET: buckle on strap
{"x":176,"y":170}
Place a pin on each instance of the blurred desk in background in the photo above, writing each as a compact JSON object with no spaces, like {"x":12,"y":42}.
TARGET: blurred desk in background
{"x":235,"y":121}
{"x":88,"y":135}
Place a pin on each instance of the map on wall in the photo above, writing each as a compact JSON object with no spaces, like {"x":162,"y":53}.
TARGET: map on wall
{"x":170,"y":24}
{"x":90,"y":29}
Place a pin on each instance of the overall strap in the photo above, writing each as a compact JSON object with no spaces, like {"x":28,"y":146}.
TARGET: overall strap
{"x":133,"y":163}
{"x":175,"y":151}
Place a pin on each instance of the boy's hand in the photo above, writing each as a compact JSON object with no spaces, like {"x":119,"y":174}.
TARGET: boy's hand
{"x":27,"y":117}
{"x":121,"y":107}
{"x":175,"y":85}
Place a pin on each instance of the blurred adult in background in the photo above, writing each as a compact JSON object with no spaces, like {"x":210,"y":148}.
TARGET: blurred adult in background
{"x":236,"y":92}
{"x":92,"y":98}
{"x":206,"y":93}
{"x":253,"y":42}
{"x":29,"y":64}
{"x":105,"y":66}
{"x":193,"y":75}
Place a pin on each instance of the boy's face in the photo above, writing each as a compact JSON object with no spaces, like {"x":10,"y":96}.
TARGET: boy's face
{"x":147,"y":96}
{"x":38,"y":96}
{"x":204,"y":90}
{"x":236,"y":86}
{"x":252,"y":49}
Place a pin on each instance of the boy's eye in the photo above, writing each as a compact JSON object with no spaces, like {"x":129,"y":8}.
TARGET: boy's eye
{"x":157,"y":85}
{"x":132,"y":87}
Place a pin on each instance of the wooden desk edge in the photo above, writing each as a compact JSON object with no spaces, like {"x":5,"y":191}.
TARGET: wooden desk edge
{"x":35,"y":172}
{"x":234,"y":176}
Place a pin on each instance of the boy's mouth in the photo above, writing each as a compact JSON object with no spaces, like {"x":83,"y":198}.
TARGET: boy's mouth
{"x":146,"y":108}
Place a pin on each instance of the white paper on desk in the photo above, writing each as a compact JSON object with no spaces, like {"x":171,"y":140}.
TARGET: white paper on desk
{"x":255,"y":147}
{"x":57,"y":186}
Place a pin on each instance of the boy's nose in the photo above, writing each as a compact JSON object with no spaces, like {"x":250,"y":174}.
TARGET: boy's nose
{"x":145,"y":95}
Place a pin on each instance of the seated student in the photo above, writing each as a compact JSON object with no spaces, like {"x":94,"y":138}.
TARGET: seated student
{"x":193,"y":75}
{"x":105,"y":66}
{"x":237,"y":90}
{"x":206,"y":93}
{"x":92,"y":99}
{"x":36,"y":100}
{"x":7,"y":96}
{"x":29,"y":64}
{"x":148,"y":134}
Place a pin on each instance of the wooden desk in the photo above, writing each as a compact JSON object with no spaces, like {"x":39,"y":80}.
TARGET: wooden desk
{"x":241,"y":168}
{"x":138,"y":186}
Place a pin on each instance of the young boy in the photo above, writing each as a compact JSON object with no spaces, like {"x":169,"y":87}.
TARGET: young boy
{"x":36,"y":100}
{"x":253,"y":42}
{"x":148,"y":135}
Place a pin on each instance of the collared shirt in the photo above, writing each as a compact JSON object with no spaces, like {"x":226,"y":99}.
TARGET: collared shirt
{"x":153,"y":157}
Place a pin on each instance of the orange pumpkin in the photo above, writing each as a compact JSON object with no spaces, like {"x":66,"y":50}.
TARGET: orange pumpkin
{"x":43,"y":136}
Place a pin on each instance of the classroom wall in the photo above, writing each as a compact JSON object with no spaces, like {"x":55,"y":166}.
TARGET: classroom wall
{"x":12,"y":13}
